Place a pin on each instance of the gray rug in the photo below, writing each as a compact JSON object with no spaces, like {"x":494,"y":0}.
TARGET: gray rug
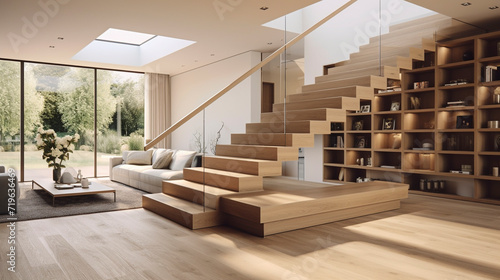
{"x":37,"y":204}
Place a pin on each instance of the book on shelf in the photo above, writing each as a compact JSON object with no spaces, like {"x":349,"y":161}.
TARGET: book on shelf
{"x":455,"y":103}
{"x":389,"y":89}
{"x":491,"y":73}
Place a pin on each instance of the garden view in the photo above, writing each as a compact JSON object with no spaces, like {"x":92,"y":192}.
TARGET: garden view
{"x":109,"y":118}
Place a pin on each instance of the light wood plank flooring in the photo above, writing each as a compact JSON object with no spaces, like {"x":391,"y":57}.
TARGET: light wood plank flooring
{"x":428,"y":238}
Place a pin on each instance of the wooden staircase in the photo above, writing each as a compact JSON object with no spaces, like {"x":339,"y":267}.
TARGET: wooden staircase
{"x":238,"y":169}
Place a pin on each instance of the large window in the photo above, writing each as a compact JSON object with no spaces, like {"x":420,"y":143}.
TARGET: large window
{"x":107,"y":113}
{"x":10,"y":114}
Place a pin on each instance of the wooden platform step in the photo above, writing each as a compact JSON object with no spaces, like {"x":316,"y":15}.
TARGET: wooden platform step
{"x":312,"y":127}
{"x":359,"y":92}
{"x":274,"y":139}
{"x":345,"y":103}
{"x":201,"y":194}
{"x":328,"y":82}
{"x":275,"y":153}
{"x":185,"y":213}
{"x":389,"y":72}
{"x":269,"y":212}
{"x":394,"y":61}
{"x":258,"y":167}
{"x":368,"y":52}
{"x":321,"y":114}
{"x":228,"y":180}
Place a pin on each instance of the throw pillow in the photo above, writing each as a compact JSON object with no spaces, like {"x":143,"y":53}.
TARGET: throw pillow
{"x":163,"y":160}
{"x":139,"y":157}
{"x":182,"y":159}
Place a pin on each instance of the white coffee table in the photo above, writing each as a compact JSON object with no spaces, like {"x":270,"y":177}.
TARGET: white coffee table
{"x":94,"y":188}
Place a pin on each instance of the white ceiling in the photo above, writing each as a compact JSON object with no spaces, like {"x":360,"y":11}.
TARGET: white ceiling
{"x":221,"y":28}
{"x":477,"y":13}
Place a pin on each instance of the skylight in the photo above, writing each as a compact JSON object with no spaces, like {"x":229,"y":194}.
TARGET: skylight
{"x":123,"y":47}
{"x":125,"y":37}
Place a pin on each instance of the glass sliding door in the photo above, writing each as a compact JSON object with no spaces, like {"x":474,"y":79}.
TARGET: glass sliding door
{"x":120,"y":115}
{"x":60,"y":98}
{"x":10,"y":114}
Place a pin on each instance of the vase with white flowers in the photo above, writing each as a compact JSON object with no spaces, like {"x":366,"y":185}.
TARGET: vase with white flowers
{"x":55,"y":149}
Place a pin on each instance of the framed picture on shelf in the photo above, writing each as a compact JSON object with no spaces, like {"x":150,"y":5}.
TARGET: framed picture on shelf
{"x":395,"y":106}
{"x":465,"y":121}
{"x":388,"y":124}
{"x":360,"y":142}
{"x":357,"y":125}
{"x":414,"y":103}
{"x":365,"y":109}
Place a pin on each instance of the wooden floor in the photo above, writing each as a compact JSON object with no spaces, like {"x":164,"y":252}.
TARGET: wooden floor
{"x":428,"y":238}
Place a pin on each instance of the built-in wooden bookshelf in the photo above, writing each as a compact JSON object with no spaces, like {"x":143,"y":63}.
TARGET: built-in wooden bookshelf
{"x":439,"y":132}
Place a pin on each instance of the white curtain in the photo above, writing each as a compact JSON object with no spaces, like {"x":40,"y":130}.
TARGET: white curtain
{"x":157,"y":91}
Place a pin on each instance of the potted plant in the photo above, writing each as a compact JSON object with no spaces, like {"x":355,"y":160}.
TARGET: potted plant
{"x":55,"y":149}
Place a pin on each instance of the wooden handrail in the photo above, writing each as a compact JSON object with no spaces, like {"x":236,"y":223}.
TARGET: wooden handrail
{"x":244,"y":76}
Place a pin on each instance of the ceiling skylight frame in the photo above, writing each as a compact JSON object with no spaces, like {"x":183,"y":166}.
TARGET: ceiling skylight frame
{"x":119,"y":36}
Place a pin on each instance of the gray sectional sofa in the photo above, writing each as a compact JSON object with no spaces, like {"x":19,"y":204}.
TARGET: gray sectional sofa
{"x":146,"y":170}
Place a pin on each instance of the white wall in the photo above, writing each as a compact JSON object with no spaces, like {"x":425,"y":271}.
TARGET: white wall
{"x":239,"y":106}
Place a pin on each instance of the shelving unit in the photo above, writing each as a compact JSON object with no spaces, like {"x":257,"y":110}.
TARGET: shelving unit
{"x":440,"y":130}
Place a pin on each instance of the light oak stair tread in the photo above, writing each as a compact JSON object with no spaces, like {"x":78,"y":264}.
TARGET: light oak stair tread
{"x":275,"y":153}
{"x":361,"y":92}
{"x":180,"y":204}
{"x":215,"y":191}
{"x":221,"y":172}
{"x":325,"y":82}
{"x":279,"y":139}
{"x":241,"y":159}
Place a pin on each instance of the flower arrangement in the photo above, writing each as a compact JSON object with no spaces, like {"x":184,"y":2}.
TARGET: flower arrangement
{"x":55,"y":149}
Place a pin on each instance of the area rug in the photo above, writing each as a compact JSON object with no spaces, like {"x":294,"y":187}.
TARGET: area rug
{"x":37,"y":204}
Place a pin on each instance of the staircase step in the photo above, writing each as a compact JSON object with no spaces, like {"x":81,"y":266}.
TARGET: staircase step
{"x":328,"y":82}
{"x":312,"y":127}
{"x":228,"y":180}
{"x":185,"y":213}
{"x":345,"y":103}
{"x":258,"y":167}
{"x":389,"y":72}
{"x":322,"y":114}
{"x":359,"y":92}
{"x":275,"y":153}
{"x":395,"y":61}
{"x":195,"y":192}
{"x":274,"y":139}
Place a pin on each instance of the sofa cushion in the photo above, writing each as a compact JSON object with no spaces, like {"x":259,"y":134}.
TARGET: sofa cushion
{"x":156,"y":176}
{"x":182,"y":159}
{"x":157,"y":152}
{"x":139,"y":157}
{"x":162,"y":161}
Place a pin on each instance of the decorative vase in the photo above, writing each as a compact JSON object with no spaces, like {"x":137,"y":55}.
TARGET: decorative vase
{"x":56,"y":174}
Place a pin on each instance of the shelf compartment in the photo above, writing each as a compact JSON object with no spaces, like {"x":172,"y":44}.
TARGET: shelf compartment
{"x":454,"y":187}
{"x":387,"y":103}
{"x":359,"y":123}
{"x":359,"y":140}
{"x":419,"y":100}
{"x":419,"y":161}
{"x":485,"y":115}
{"x":387,"y":122}
{"x":333,"y":173}
{"x":334,"y":140}
{"x":453,"y":51}
{"x":455,"y":141}
{"x":390,"y":141}
{"x":459,"y":119}
{"x":413,"y":79}
{"x":352,"y":174}
{"x":489,"y":141}
{"x":488,"y":46}
{"x":417,"y":139}
{"x":447,"y":163}
{"x":332,"y":156}
{"x":488,"y":191}
{"x":452,"y":94}
{"x":353,"y":157}
{"x":486,"y":163}
{"x":381,"y":159}
{"x":419,"y":120}
{"x":458,"y":74}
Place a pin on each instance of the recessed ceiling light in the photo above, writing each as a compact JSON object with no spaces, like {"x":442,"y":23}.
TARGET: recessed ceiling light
{"x":264,"y":8}
{"x":465,"y":4}
{"x":60,"y":38}
{"x":270,"y":43}
{"x":52,"y":47}
{"x":212,"y":54}
{"x":493,"y":7}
